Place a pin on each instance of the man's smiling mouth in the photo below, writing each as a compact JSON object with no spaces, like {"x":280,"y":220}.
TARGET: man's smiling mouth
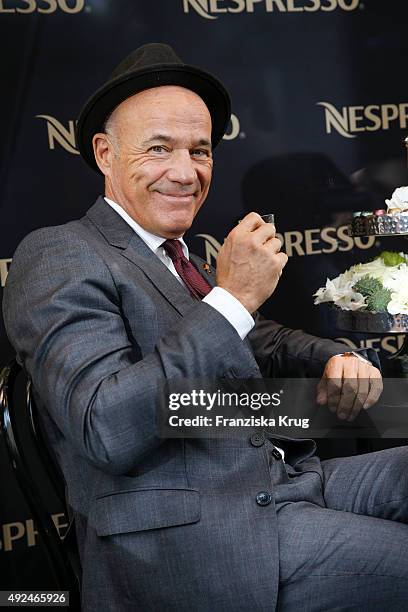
{"x":177,"y":196}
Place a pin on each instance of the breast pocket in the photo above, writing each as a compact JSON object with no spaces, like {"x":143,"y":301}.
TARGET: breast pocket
{"x":144,"y":509}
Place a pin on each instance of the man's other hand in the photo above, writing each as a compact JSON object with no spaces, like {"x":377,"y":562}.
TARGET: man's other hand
{"x":349,"y":384}
{"x":249,"y":263}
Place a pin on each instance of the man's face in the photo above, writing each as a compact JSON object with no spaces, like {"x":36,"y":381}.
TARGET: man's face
{"x":158,"y":164}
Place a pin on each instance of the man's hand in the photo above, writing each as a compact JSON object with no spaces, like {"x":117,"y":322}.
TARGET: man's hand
{"x":249,"y":263}
{"x":349,"y":384}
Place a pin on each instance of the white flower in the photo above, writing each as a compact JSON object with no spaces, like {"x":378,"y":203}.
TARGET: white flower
{"x":399,"y":199}
{"x":351,"y":301}
{"x":399,"y":301}
{"x":397,"y":278}
{"x":376,"y":269}
{"x":340,"y":290}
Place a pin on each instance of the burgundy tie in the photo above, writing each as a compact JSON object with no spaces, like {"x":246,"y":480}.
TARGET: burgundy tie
{"x":195,"y":283}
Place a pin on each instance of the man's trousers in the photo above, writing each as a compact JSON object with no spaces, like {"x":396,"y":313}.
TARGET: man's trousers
{"x":343,"y":536}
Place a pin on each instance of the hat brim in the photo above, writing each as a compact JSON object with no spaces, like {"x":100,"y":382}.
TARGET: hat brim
{"x":96,"y":110}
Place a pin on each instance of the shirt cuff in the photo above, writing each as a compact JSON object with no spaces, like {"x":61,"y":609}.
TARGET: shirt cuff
{"x":231,"y":309}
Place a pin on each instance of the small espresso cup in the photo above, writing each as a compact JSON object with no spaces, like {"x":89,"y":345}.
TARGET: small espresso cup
{"x":270,"y":218}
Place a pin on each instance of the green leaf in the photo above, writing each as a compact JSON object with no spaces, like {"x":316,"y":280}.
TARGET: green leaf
{"x":392,"y":258}
{"x":379,"y":300}
{"x":367,"y":285}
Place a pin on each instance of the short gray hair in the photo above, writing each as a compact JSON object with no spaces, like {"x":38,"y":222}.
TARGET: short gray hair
{"x":109,"y":128}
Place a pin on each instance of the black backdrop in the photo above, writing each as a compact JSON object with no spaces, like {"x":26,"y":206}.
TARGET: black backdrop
{"x":319,"y":117}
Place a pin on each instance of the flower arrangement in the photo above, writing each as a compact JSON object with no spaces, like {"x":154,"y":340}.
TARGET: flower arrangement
{"x":399,"y":201}
{"x":380,"y":285}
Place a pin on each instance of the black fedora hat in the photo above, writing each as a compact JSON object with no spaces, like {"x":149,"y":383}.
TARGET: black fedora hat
{"x":151,"y":65}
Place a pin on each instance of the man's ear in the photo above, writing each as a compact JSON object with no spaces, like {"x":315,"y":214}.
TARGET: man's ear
{"x":103,"y":152}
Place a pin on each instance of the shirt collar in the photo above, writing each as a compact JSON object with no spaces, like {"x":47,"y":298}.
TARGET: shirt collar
{"x":153,"y":242}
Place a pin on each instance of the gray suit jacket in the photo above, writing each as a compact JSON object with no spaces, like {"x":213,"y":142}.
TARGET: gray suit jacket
{"x":99,"y":323}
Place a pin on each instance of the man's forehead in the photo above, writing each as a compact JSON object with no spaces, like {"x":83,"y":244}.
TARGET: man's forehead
{"x":169,"y":97}
{"x":154,"y":112}
{"x":197,"y":138}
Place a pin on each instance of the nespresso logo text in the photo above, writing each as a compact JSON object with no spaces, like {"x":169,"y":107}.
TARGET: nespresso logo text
{"x":389,"y":344}
{"x":41,"y":6}
{"x":24,"y":534}
{"x":58,"y":133}
{"x":64,"y":136}
{"x":211,"y":9}
{"x":351,"y":120}
{"x":4,"y":268}
{"x":313,"y":241}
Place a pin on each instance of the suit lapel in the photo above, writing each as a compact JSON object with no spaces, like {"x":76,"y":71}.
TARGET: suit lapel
{"x":139,"y":253}
{"x":111,"y":225}
{"x":120,"y":235}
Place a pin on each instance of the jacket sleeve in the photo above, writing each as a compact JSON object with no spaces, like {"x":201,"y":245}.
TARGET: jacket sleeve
{"x":63,"y":315}
{"x":281,"y":351}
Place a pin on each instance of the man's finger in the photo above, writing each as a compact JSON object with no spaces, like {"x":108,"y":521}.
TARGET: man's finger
{"x":265,"y":234}
{"x":358,"y":371}
{"x":376,"y":387}
{"x":283,"y":260}
{"x":251,"y":221}
{"x":352,"y":397}
{"x":273,"y":244}
{"x":349,"y":392}
{"x":333,"y":374}
{"x":362,"y":391}
{"x":321,"y":392}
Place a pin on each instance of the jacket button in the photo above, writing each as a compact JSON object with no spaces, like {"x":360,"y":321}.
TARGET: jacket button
{"x":257,"y":439}
{"x":263,"y":498}
{"x":276,"y":454}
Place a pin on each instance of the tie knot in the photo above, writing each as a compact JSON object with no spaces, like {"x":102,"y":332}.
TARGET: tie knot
{"x":173,"y":249}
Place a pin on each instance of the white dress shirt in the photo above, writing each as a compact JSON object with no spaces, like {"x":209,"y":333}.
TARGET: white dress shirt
{"x":218,"y":298}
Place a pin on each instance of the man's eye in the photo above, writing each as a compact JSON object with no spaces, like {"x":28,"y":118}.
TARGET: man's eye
{"x":200,"y":153}
{"x":157,"y":149}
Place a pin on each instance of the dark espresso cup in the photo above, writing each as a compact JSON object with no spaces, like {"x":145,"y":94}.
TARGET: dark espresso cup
{"x":270,"y":218}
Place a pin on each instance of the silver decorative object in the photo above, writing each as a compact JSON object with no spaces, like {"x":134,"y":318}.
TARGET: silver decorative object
{"x":382,"y":225}
{"x":371,"y":322}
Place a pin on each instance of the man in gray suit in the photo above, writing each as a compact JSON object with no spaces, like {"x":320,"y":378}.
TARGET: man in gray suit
{"x":103,"y":310}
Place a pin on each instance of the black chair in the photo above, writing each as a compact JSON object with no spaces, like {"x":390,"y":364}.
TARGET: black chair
{"x":28,"y":450}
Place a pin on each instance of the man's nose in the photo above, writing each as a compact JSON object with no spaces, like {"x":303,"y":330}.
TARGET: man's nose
{"x":181,"y":168}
